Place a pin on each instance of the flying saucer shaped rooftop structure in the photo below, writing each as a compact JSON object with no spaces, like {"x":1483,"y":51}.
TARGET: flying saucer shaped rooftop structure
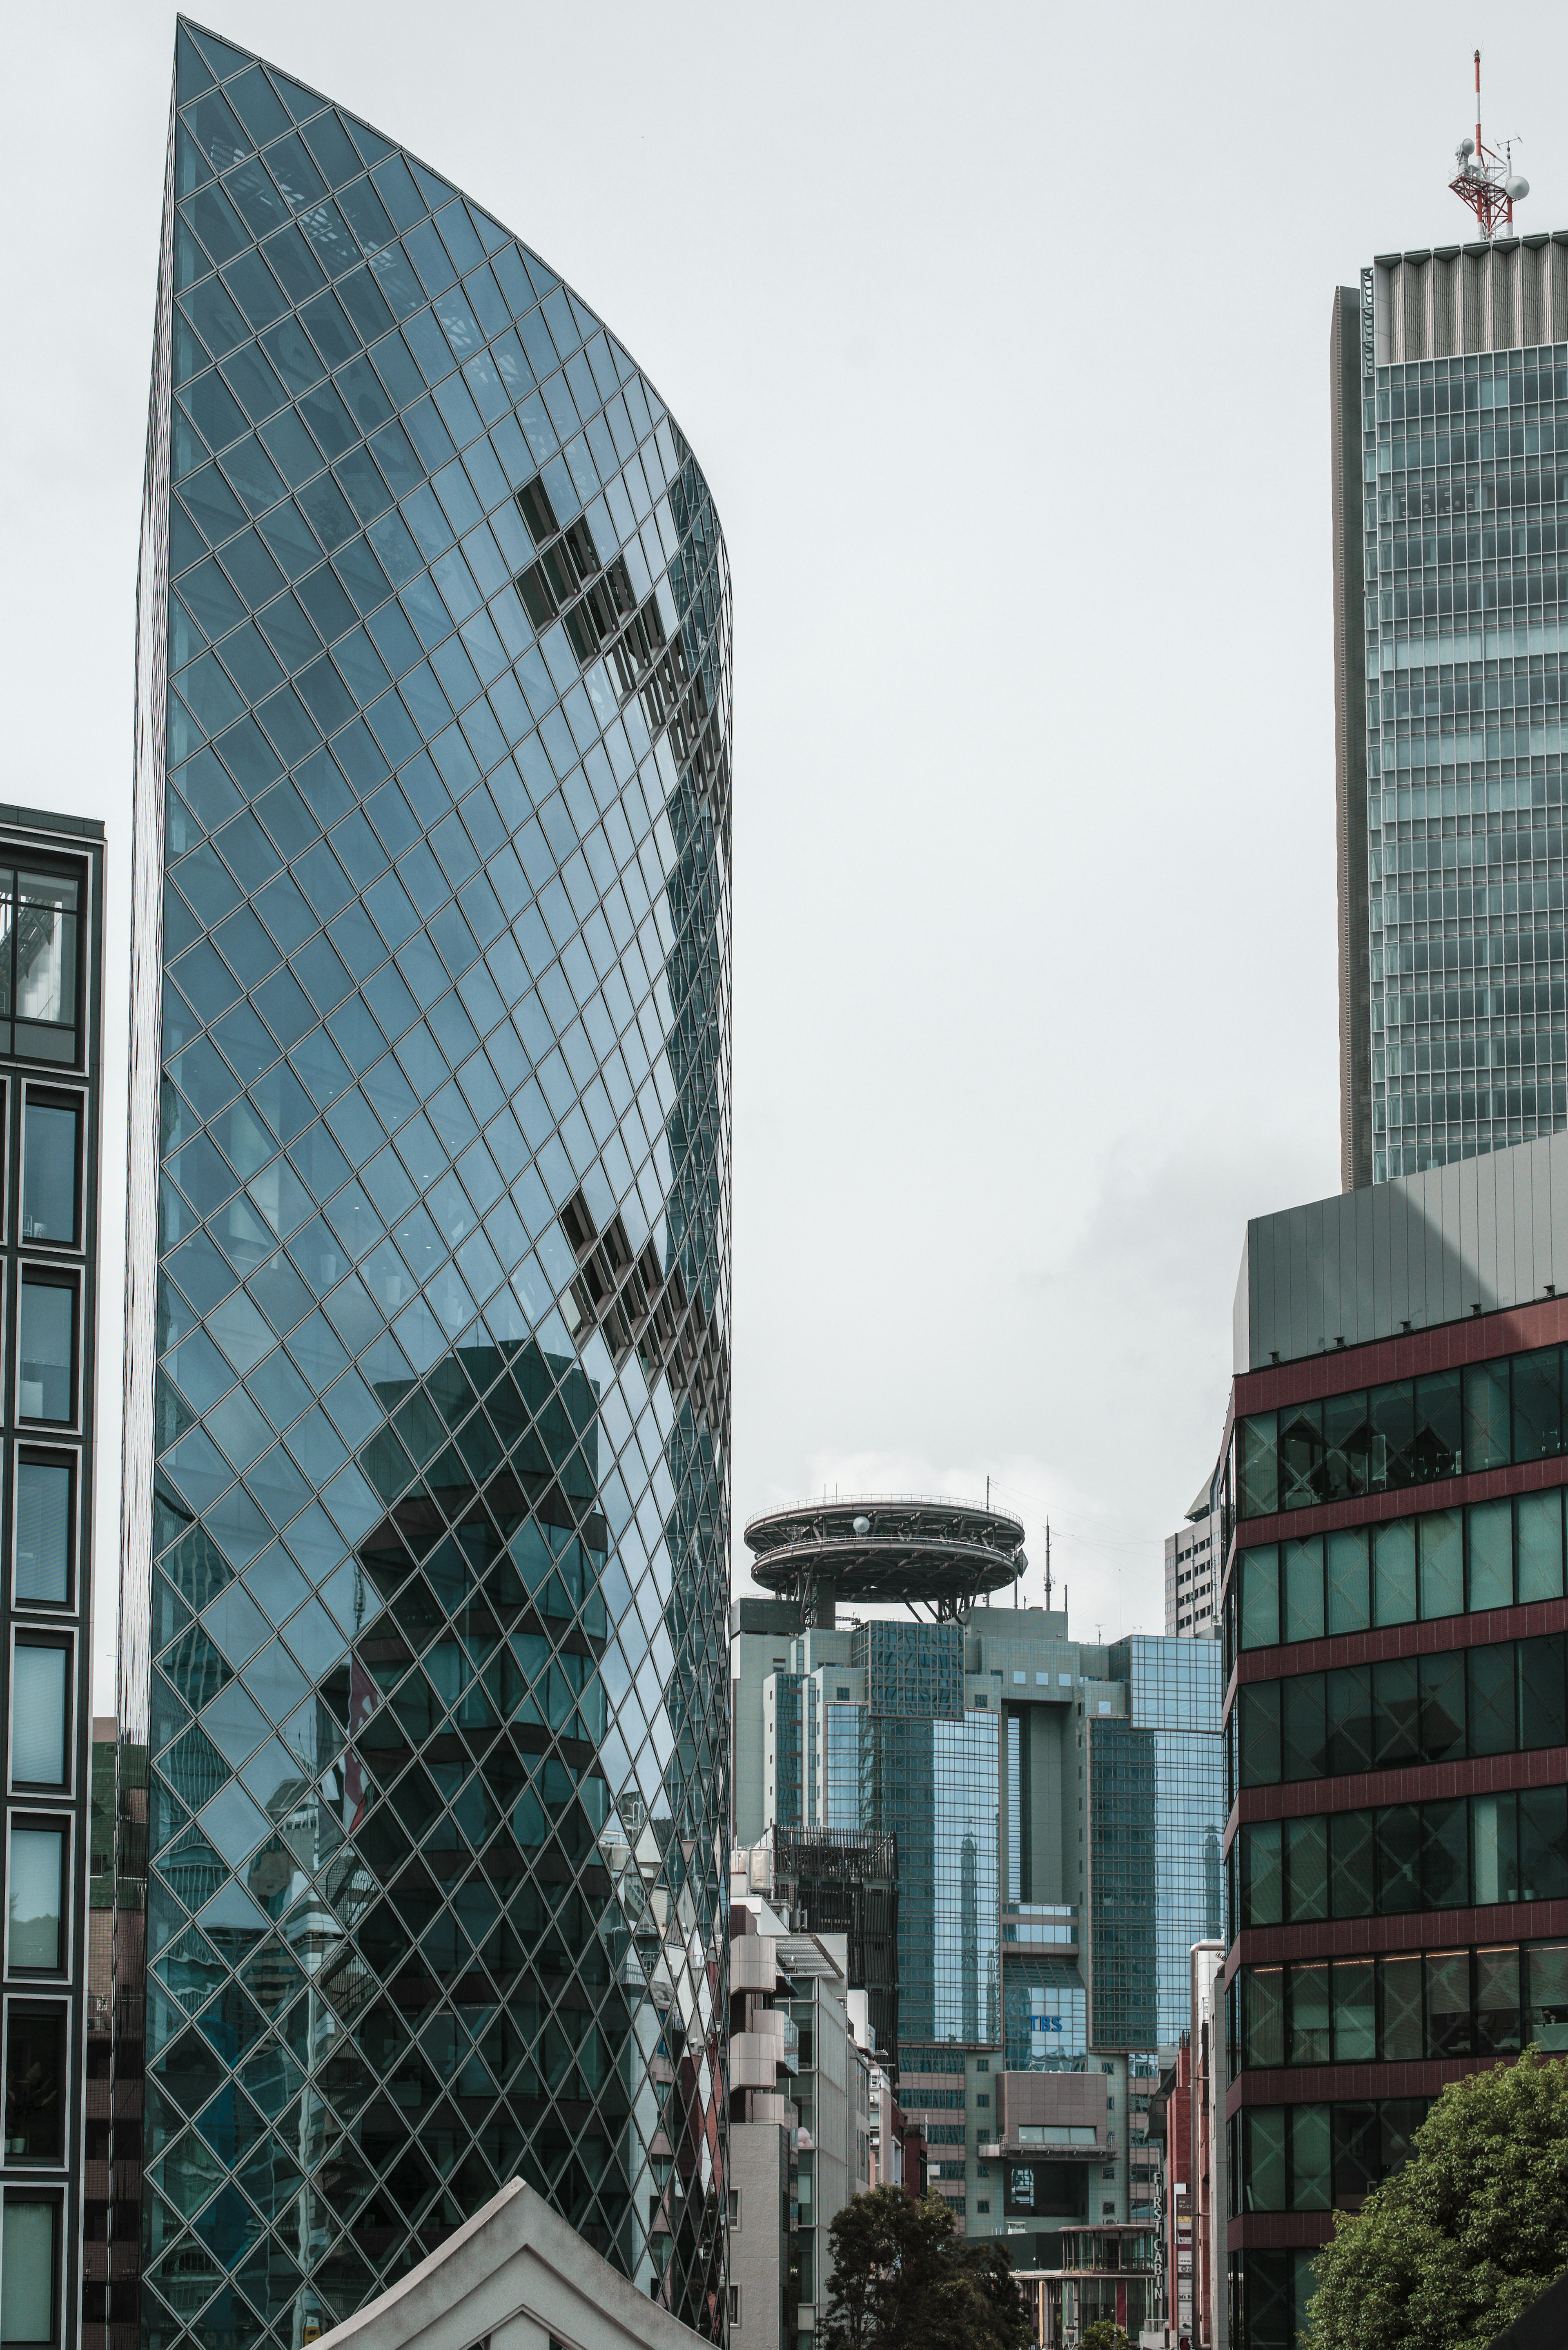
{"x":886,"y":1551}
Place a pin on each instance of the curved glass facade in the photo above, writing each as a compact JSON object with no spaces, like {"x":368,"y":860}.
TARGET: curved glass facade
{"x":426,"y":1513}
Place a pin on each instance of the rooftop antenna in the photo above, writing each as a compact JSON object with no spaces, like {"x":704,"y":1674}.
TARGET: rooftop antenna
{"x":1047,"y":1566}
{"x":1486,"y":181}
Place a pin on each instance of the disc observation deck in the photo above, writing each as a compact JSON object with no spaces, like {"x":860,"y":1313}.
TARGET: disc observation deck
{"x":882,"y":1550}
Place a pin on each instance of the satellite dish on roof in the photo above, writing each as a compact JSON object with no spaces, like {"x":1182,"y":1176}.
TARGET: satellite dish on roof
{"x":1465,"y":148}
{"x":862,"y":1525}
{"x":1516,"y":190}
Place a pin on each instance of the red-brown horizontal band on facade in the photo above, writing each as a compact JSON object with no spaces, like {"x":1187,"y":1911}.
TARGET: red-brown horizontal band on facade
{"x":1414,"y":1782}
{"x":1508,"y":1923}
{"x":1508,"y":1330}
{"x":1328,"y":2085}
{"x":1429,"y":1638}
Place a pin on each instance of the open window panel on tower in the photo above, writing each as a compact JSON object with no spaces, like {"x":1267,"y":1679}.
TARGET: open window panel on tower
{"x":36,"y":1893}
{"x":36,"y":2081}
{"x":29,"y":2270}
{"x":40,"y":954}
{"x":48,"y":1323}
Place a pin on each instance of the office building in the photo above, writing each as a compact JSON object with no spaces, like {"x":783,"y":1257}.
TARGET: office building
{"x":1192,"y":1574}
{"x":801,"y":2061}
{"x":426,"y":1507}
{"x":1208,"y":2194}
{"x":1056,"y":1810}
{"x":51,"y":938}
{"x":1395,"y":1611}
{"x":1449,"y":372}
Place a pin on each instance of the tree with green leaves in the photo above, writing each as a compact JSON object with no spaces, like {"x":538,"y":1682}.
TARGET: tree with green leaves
{"x":1448,"y":2251}
{"x":1104,"y":2335}
{"x":904,"y":2279}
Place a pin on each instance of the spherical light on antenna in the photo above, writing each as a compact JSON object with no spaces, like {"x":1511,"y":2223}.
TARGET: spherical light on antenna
{"x":862,"y":1525}
{"x":1516,"y":190}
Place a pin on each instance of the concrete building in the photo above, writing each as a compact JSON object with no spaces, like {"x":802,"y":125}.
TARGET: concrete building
{"x":1395,"y":1607}
{"x":1192,"y":1574}
{"x":1056,"y":1807}
{"x":1449,"y":383}
{"x":801,"y":2069}
{"x":518,"y":2277}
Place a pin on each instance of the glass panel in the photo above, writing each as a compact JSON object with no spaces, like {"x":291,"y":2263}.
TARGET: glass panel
{"x":1404,"y":2041}
{"x":1264,"y":2020}
{"x":1494,"y":1860}
{"x":1392,"y":1413}
{"x":1264,"y":2186}
{"x":1393,"y":1573}
{"x":1397,"y":1720}
{"x":1350,"y":1877}
{"x":1356,"y":2012}
{"x":1400,"y":2117}
{"x":1261,"y":1597}
{"x":1303,"y":1589}
{"x":1309,"y":2016}
{"x":1443,"y":1707}
{"x":1259,"y":1708}
{"x":34,"y":2085}
{"x":1542,"y":1846}
{"x":1304,"y":1727}
{"x":1356,"y":2155}
{"x":1398,"y":1857}
{"x":49,"y":1161}
{"x":1260,"y":1874}
{"x":38,"y":1714}
{"x":1445,"y":1854}
{"x":1487,"y":1420}
{"x":1349,"y":1593}
{"x":42,"y":1564}
{"x":1348,"y":1444}
{"x":1546,"y":1979}
{"x":1537,"y":1404}
{"x":1436,"y":1450}
{"x":27,"y":2272}
{"x":37,"y":1882}
{"x":45,"y":1364}
{"x":1311,"y":2167}
{"x":1306,"y":1845}
{"x":1449,"y":2032}
{"x":1491,"y":1676}
{"x":1259,"y":1466}
{"x":1497,"y":2002}
{"x":1489,"y":1528}
{"x":1543,"y":1715}
{"x":1350,"y":1719}
{"x":1303,"y":1480}
{"x":1541,"y":1546}
{"x":45,"y":935}
{"x":1442,"y":1562}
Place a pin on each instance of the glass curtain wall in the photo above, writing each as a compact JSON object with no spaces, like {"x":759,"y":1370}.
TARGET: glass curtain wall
{"x":1470,"y":1046}
{"x":427,"y":1509}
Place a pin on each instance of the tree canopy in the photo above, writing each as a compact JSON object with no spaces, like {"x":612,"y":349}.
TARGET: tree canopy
{"x":1103,"y":2335}
{"x":904,"y":2279}
{"x":1451,"y":2249}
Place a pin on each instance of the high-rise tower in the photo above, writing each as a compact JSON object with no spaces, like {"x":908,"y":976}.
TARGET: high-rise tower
{"x":1449,"y":377}
{"x":426,"y":1507}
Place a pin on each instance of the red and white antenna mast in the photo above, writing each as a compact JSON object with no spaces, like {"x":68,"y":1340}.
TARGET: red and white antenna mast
{"x":1486,"y":181}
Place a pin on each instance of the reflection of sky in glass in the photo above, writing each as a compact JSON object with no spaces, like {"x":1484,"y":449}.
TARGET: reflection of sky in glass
{"x":437,"y":1542}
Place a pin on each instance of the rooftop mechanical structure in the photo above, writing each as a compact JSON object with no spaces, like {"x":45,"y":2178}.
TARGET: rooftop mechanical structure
{"x":884,"y":1550}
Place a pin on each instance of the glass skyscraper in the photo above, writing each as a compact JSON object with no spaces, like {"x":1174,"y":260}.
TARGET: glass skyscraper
{"x":426,"y":1505}
{"x":1450,"y":408}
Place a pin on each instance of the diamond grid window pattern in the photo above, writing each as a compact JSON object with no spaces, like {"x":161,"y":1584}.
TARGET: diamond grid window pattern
{"x":436,"y":1689}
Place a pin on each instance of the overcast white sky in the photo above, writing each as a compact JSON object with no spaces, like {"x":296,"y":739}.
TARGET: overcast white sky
{"x":1001,"y":333}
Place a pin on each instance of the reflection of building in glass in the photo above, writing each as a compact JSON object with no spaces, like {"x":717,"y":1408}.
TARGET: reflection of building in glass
{"x":427,"y":1506}
{"x":985,"y":1744}
{"x":55,"y":2201}
{"x":1156,"y":1826}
